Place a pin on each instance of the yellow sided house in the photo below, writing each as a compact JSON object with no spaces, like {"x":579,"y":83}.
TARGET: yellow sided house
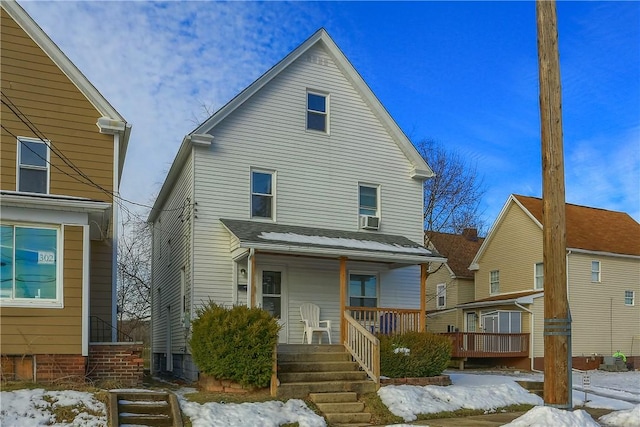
{"x":62,"y":149}
{"x":504,"y":323}
{"x":301,"y":190}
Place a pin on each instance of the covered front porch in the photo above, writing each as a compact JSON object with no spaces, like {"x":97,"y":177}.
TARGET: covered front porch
{"x":364,"y":283}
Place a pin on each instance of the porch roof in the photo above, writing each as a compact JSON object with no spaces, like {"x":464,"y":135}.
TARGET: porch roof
{"x":525,"y":297}
{"x":329,"y":243}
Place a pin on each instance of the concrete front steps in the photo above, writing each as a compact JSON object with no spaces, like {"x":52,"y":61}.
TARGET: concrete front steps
{"x":152,"y":409}
{"x":327,"y":375}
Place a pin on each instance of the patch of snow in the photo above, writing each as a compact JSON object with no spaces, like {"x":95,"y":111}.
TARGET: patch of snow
{"x":626,"y":418}
{"x":544,"y":416}
{"x":342,"y":242}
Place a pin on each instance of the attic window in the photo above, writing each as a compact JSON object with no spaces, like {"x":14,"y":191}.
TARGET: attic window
{"x":317,"y":111}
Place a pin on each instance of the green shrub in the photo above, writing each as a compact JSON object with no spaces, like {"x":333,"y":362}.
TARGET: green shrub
{"x":414,"y":354}
{"x":235,"y":343}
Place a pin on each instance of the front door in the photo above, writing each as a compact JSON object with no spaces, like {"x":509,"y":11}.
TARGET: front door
{"x":274,"y":297}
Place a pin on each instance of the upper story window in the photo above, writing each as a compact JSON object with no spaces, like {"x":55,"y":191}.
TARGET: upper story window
{"x":595,"y":271}
{"x":318,"y":111}
{"x":33,"y":166}
{"x":262,"y":194}
{"x":494,"y":281}
{"x":441,"y":295}
{"x":30,"y":274}
{"x":539,"y":276}
{"x":629,"y":298}
{"x":369,"y":206}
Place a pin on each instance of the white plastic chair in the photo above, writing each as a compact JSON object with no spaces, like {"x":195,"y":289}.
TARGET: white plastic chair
{"x":310,"y":314}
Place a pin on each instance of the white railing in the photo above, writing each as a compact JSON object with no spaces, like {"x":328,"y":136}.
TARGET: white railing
{"x":363,"y":346}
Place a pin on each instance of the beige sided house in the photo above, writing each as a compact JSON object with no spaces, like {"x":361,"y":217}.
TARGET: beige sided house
{"x":603,"y":283}
{"x":62,"y":148}
{"x":301,"y":189}
{"x":450,"y":283}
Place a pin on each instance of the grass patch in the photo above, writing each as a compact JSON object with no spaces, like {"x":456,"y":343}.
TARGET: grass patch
{"x":521,"y":407}
{"x":380,"y":414}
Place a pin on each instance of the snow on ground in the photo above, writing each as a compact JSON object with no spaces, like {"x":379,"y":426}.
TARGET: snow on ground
{"x":480,"y":390}
{"x":33,"y":408}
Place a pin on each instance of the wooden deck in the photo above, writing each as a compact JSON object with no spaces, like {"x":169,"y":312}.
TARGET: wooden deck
{"x":476,"y":344}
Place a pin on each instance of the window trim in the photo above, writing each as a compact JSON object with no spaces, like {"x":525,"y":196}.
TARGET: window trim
{"x":536,"y":276}
{"x":598,"y":271}
{"x":326,"y":113}
{"x":491,"y":282}
{"x":363,"y":272}
{"x":441,"y":288}
{"x":273,"y":174}
{"x":632,"y":296}
{"x":362,"y":184}
{"x":58,"y":302}
{"x":20,"y":166}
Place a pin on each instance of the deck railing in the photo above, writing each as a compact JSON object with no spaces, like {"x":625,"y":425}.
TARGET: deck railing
{"x":386,"y":320}
{"x":476,"y":344}
{"x":363,"y":346}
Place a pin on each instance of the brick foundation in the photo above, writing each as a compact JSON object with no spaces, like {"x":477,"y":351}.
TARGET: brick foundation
{"x":121,"y":363}
{"x":437,"y":380}
{"x":44,"y":368}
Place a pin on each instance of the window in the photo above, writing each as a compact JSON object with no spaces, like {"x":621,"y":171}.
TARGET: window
{"x":595,"y":271}
{"x":629,"y":298}
{"x":33,"y":166}
{"x":30,"y":271}
{"x":441,"y":295}
{"x":495,"y":282}
{"x":262,"y":194}
{"x":539,"y":276}
{"x":363,"y":290}
{"x":317,"y":111}
{"x":368,"y":200}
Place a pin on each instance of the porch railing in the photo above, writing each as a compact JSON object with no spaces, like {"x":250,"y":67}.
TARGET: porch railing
{"x":101,"y":331}
{"x":363,"y":346}
{"x":482,"y":344}
{"x":386,"y":320}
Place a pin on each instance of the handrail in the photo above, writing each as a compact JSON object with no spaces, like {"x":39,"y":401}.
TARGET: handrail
{"x":388,"y":321}
{"x":363,"y":346}
{"x":101,"y":331}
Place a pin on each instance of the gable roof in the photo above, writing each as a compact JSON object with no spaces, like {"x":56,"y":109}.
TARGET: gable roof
{"x":114,"y":121}
{"x":459,"y":249}
{"x":587,"y":229}
{"x":420,"y":168}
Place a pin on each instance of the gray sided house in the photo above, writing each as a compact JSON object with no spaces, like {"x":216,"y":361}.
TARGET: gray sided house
{"x":301,"y":189}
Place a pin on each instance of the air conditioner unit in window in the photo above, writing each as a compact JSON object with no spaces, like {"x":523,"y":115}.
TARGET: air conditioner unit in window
{"x":369,"y":222}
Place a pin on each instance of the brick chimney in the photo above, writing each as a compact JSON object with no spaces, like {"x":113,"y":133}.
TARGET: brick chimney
{"x":470,"y":234}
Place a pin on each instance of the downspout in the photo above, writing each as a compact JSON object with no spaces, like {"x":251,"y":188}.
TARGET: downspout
{"x":531,"y":335}
{"x":114,"y":238}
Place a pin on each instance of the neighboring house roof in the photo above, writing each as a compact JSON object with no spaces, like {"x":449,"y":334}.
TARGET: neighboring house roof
{"x":525,"y":297}
{"x":459,"y":249}
{"x":272,"y":237}
{"x":115,"y":121}
{"x":587,"y":229}
{"x":420,"y":169}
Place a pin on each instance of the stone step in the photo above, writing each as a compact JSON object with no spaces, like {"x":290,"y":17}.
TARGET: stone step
{"x":310,"y":348}
{"x":158,"y":420}
{"x":298,"y":377}
{"x":341,"y":408}
{"x":302,"y":390}
{"x":147,"y":407}
{"x":348,"y":418}
{"x":337,"y":397}
{"x":332,"y":356}
{"x":317,"y":366}
{"x":154,"y":409}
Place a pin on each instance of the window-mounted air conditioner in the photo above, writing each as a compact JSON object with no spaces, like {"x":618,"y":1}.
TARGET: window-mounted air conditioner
{"x":369,"y":222}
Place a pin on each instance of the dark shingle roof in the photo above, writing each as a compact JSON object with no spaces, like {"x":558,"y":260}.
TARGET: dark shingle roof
{"x":459,"y":249}
{"x":593,"y":229}
{"x":253,"y":232}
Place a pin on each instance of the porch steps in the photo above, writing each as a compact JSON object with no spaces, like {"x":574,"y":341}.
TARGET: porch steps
{"x":327,"y":375}
{"x":152,"y":409}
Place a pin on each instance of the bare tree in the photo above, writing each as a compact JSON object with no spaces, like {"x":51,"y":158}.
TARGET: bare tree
{"x":452,"y":197}
{"x":134,"y":274}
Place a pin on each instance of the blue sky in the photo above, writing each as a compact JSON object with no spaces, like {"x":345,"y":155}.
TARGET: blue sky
{"x":462,"y":73}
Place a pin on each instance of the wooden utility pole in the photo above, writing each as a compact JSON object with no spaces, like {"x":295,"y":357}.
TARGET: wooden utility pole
{"x":557,"y":322}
